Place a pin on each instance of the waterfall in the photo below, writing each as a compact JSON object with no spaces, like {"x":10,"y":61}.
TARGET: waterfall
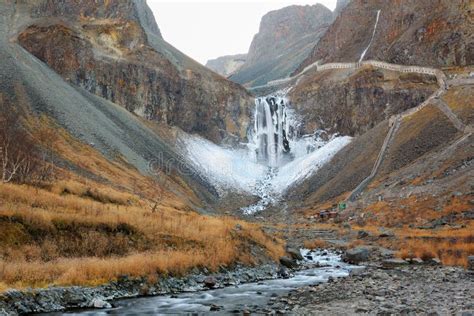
{"x":271,"y":129}
{"x":373,"y":36}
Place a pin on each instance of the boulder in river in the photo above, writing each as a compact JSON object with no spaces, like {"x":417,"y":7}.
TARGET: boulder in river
{"x":356,"y":255}
{"x":210,"y":282}
{"x":99,"y":303}
{"x":289,"y":263}
{"x":283,"y":272}
{"x":294,"y":253}
{"x":215,"y":308}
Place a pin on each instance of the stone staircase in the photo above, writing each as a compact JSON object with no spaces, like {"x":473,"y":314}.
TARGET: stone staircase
{"x":395,"y":121}
{"x":395,"y":124}
{"x":443,"y":107}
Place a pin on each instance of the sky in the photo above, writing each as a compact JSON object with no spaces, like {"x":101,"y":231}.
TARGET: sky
{"x":206,"y":30}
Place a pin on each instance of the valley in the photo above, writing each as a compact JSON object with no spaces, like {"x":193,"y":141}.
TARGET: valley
{"x":329,"y":173}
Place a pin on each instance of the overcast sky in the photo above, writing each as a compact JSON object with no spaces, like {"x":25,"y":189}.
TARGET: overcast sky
{"x":206,"y":30}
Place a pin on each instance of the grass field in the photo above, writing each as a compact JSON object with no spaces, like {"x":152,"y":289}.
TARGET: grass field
{"x":67,"y":235}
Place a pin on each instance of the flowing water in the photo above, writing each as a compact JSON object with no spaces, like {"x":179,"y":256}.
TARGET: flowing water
{"x":271,"y":129}
{"x":252,"y":296}
{"x":372,"y":38}
{"x":275,"y":158}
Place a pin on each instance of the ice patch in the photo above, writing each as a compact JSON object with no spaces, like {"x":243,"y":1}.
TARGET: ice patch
{"x":235,"y":168}
{"x":303,"y":167}
{"x":275,"y":159}
{"x":225,"y":168}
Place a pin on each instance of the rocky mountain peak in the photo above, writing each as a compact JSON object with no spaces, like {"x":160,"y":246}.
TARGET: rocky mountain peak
{"x":227,"y":65}
{"x":114,"y":49}
{"x":279,"y":28}
{"x":409,"y":32}
{"x":340,"y":5}
{"x":285,"y":38}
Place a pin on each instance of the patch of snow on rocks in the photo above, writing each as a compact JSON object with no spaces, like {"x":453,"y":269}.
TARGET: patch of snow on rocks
{"x":223,"y":167}
{"x":304,"y":166}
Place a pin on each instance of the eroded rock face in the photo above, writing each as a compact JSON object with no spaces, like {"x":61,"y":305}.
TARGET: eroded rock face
{"x":411,"y":32}
{"x":284,"y":40}
{"x":115,"y":50}
{"x":227,"y":65}
{"x":351,"y":102}
{"x":340,"y":5}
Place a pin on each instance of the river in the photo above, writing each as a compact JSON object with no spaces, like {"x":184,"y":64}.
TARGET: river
{"x":253,"y":297}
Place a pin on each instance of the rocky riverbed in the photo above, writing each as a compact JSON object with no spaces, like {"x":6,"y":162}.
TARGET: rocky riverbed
{"x":202,"y":291}
{"x":403,"y":290}
{"x":322,"y":284}
{"x":65,"y":298}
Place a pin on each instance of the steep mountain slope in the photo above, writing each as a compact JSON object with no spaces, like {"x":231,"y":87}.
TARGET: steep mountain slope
{"x":389,"y":166}
{"x":353,"y":101}
{"x":424,"y":175}
{"x":227,"y":65}
{"x":340,"y":5}
{"x":410,"y":32}
{"x":115,"y":50}
{"x":428,"y":160}
{"x":284,"y":40}
{"x":95,"y":71}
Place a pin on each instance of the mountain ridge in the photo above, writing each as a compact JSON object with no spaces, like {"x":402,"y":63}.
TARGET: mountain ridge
{"x":285,"y":38}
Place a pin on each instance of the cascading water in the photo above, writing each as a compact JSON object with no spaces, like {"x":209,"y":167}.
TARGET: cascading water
{"x":276,"y":158}
{"x":372,"y":38}
{"x":271,"y":130}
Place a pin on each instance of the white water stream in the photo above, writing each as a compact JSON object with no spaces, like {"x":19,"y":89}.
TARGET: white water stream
{"x":372,"y":38}
{"x":253,"y":296}
{"x":275,"y":159}
{"x":271,"y":129}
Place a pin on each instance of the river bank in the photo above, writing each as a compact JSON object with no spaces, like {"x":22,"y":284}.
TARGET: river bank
{"x":404,"y":290}
{"x":53,"y":299}
{"x":199,"y":292}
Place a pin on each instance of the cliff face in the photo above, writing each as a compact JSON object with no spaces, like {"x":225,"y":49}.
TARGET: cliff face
{"x":227,"y":65}
{"x":351,"y":102}
{"x":284,"y":40}
{"x":115,"y":50}
{"x":412,"y":32}
{"x":358,"y":102}
{"x":87,"y":67}
{"x":340,"y":5}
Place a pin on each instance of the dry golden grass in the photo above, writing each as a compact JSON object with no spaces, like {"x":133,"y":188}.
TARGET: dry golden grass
{"x":3,"y":287}
{"x":52,"y":237}
{"x":355,"y":243}
{"x":93,"y":191}
{"x":459,"y":100}
{"x":451,"y":251}
{"x":414,"y":210}
{"x":93,"y":270}
{"x":78,"y":231}
{"x":117,"y":172}
{"x":322,"y":226}
{"x":451,"y":245}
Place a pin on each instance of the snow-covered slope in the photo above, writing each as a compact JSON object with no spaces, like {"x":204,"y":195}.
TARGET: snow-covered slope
{"x":276,"y":158}
{"x":306,"y":165}
{"x":236,"y":169}
{"x":225,"y":168}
